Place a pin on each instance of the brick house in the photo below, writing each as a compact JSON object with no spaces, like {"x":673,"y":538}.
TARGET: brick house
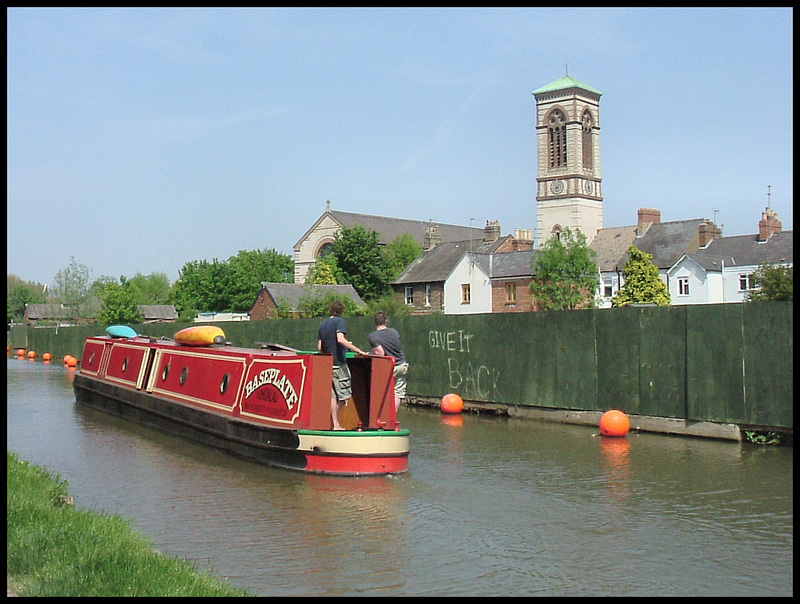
{"x":273,"y":295}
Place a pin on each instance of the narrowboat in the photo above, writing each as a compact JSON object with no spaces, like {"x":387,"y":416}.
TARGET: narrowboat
{"x":270,"y":404}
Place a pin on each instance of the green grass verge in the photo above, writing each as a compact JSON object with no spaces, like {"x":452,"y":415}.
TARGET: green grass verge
{"x":55,"y":549}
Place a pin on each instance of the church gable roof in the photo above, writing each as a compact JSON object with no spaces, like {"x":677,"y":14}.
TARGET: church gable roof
{"x":389,"y":229}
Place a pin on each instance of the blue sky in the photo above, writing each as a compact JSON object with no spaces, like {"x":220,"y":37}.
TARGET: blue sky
{"x":142,"y":139}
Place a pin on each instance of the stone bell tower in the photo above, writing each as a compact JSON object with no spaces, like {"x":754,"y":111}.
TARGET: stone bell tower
{"x":569,"y":182}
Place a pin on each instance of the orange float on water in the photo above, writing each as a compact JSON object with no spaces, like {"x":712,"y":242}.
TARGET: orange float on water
{"x":452,"y":403}
{"x":47,"y":356}
{"x":614,"y":423}
{"x":71,"y":361}
{"x":21,"y":352}
{"x":31,"y":355}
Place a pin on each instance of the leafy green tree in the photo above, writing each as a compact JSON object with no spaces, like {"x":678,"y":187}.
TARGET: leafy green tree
{"x":229,"y":286}
{"x":151,"y":289}
{"x":402,"y":252}
{"x":71,"y":287}
{"x":323,"y":272}
{"x":642,"y":283}
{"x":564,"y":273}
{"x":772,"y":282}
{"x":319,"y":305}
{"x":249,"y":269}
{"x":393,"y":305}
{"x":19,"y":293}
{"x":361,"y":262}
{"x":118,"y":303}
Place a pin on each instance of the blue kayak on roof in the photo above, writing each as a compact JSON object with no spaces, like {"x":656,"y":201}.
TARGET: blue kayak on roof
{"x":121,"y":331}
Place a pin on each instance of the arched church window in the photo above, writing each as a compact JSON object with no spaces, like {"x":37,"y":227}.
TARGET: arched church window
{"x":586,"y":140}
{"x":326,"y":249}
{"x":557,"y":138}
{"x":557,"y":232}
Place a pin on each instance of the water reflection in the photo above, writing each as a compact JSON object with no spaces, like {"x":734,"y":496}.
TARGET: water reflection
{"x":490,"y":506}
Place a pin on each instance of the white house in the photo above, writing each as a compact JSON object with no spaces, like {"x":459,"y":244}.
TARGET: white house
{"x":468,"y":287}
{"x":722,"y":272}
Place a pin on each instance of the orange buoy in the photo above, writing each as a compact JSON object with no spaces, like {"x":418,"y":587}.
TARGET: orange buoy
{"x":31,"y":354}
{"x":71,"y":361}
{"x":452,"y":403}
{"x":614,"y":423}
{"x":21,"y":352}
{"x":47,"y":356}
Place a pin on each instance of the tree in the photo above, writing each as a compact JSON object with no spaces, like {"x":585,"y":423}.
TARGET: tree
{"x":19,"y":293}
{"x":118,"y":303}
{"x":564,"y":273}
{"x":231,"y":285}
{"x":642,"y":283}
{"x":150,"y":289}
{"x":402,"y":252}
{"x":249,"y":269}
{"x":361,"y":262}
{"x":772,"y":282}
{"x":319,"y":305}
{"x":71,"y":286}
{"x":323,"y":272}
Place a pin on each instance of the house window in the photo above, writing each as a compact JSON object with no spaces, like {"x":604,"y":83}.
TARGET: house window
{"x":465,"y":293}
{"x":427,"y":294}
{"x":745,"y":282}
{"x":557,"y":139}
{"x":608,"y":288}
{"x":683,"y":286}
{"x":511,"y":293}
{"x":409,"y":295}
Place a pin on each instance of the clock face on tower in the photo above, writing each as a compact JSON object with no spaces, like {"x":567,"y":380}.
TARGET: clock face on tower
{"x":588,"y":187}
{"x":557,"y":187}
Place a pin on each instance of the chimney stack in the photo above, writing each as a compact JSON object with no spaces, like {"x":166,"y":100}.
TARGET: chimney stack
{"x":768,"y":224}
{"x":647,"y":217}
{"x":433,"y":237}
{"x":492,"y":231}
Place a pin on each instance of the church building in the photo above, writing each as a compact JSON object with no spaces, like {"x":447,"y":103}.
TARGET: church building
{"x":569,"y":182}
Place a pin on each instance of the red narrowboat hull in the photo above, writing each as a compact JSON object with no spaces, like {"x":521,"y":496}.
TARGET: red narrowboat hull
{"x":268,"y":405}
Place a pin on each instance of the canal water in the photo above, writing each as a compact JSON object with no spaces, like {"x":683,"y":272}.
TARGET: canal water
{"x":491,"y":506}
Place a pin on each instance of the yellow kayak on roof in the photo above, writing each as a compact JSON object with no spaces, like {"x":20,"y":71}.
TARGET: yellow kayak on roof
{"x":200,"y":335}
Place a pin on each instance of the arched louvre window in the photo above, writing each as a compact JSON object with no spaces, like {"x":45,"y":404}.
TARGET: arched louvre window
{"x":557,"y":138}
{"x":586,"y":139}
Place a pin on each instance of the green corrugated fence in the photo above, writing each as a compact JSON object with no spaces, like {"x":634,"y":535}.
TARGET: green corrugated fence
{"x":727,"y":363}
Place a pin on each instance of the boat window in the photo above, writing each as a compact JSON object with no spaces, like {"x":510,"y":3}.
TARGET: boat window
{"x":91,"y":358}
{"x":184,"y":373}
{"x":166,"y":373}
{"x":125,"y":364}
{"x":225,"y":381}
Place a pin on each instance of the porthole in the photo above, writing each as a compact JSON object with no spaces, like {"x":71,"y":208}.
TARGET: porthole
{"x":125,"y":364}
{"x":225,"y":381}
{"x":91,"y":358}
{"x":165,"y":373}
{"x":184,"y":375}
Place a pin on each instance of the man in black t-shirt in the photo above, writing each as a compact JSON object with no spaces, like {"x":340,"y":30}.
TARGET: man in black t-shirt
{"x":332,"y":340}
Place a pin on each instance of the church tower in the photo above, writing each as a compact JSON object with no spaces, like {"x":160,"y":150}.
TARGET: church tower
{"x":569,"y":183}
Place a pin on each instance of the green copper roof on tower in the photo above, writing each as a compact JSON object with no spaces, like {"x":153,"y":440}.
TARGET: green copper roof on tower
{"x":566,"y":82}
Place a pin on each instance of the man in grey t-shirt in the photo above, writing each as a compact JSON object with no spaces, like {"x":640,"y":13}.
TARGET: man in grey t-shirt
{"x":385,"y":341}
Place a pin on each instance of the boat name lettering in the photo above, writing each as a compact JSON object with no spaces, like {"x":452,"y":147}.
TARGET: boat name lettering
{"x":276,"y":378}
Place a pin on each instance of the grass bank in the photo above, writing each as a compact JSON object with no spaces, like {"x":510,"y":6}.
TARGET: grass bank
{"x":55,"y":549}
